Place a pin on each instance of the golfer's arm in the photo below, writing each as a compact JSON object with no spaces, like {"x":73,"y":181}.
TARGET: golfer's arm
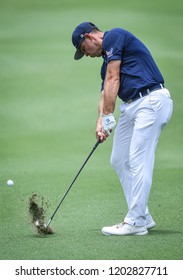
{"x":100,"y":106}
{"x":111,"y":86}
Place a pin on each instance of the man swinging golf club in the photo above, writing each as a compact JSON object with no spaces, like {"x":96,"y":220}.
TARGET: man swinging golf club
{"x":129,"y":72}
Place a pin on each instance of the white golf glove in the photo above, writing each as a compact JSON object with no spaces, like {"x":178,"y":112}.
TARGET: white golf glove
{"x":108,"y":123}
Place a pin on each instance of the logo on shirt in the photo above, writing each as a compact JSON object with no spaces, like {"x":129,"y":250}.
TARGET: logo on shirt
{"x":110,"y":53}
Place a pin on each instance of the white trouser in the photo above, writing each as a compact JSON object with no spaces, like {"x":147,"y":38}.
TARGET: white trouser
{"x":135,"y":139}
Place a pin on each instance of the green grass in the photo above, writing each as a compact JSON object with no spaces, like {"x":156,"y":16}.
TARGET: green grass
{"x":47,"y":121}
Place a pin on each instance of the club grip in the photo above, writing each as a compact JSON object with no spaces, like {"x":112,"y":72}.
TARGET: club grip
{"x":96,"y":144}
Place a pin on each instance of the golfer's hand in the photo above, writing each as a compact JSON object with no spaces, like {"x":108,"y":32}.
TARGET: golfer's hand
{"x":108,"y":123}
{"x":100,"y":133}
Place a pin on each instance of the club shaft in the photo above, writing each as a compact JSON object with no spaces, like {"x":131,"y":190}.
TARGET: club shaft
{"x":94,"y":147}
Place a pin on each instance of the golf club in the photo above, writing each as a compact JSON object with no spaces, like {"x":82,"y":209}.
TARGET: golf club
{"x":94,"y":147}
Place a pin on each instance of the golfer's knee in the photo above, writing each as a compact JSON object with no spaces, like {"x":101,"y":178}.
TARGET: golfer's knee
{"x":114,"y":160}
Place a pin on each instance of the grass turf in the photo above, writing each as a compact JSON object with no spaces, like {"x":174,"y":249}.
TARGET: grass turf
{"x":47,"y":119}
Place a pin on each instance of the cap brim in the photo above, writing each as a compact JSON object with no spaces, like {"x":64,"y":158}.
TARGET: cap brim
{"x":78,"y":55}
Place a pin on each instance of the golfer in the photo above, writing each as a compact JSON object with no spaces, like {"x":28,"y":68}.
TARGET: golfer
{"x":129,"y":72}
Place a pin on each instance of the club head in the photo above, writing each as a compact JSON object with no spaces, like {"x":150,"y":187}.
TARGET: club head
{"x":42,"y":229}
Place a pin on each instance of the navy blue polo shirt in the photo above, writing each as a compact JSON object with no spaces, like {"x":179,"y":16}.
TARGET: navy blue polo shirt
{"x":138,"y":69}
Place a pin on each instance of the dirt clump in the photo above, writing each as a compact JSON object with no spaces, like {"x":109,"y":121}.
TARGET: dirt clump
{"x":38,"y":215}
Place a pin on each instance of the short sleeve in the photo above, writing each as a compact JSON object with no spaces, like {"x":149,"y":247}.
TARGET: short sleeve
{"x":113,"y":45}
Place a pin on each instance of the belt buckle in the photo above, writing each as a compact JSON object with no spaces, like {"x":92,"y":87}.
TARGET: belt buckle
{"x":129,"y":101}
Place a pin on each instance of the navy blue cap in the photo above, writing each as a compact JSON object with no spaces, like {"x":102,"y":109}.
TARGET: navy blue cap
{"x":78,"y":37}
